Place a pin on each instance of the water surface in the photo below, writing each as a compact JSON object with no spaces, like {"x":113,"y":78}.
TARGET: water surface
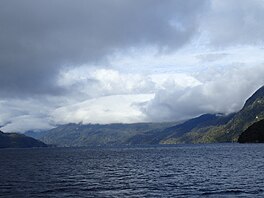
{"x":210,"y":170}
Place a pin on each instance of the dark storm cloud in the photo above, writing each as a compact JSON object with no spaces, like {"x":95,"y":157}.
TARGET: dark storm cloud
{"x":39,"y":37}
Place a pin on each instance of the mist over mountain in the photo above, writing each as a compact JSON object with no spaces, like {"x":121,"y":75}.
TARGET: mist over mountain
{"x":207,"y":128}
{"x":252,"y":112}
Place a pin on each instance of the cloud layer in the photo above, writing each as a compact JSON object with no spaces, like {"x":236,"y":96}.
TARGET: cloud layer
{"x":126,"y":61}
{"x":39,"y":38}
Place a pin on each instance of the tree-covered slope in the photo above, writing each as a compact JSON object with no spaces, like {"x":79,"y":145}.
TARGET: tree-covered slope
{"x":193,"y":135}
{"x":173,"y":134}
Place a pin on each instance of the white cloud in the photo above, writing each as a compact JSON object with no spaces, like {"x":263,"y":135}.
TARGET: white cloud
{"x":93,"y":96}
{"x":28,"y":114}
{"x":27,"y":122}
{"x":108,"y":109}
{"x":222,"y":92}
{"x":114,"y":94}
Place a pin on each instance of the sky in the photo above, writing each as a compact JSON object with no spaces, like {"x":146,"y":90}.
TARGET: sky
{"x":116,"y":61}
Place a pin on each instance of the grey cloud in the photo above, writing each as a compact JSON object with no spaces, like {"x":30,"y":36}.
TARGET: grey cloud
{"x":232,"y":22}
{"x":19,"y":115}
{"x":211,"y":57}
{"x":39,"y":37}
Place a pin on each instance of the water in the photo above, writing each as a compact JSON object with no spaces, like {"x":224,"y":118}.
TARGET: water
{"x":214,"y":170}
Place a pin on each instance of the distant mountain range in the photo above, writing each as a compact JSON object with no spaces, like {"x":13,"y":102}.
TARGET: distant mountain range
{"x":208,"y":128}
{"x":15,"y":140}
{"x":95,"y":134}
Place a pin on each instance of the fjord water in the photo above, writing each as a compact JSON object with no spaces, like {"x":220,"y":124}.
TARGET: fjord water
{"x":211,"y":170}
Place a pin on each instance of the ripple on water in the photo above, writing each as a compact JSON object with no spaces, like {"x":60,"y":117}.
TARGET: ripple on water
{"x":220,"y":170}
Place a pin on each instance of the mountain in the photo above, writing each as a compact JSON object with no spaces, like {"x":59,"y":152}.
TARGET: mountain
{"x":35,"y":134}
{"x":78,"y":135}
{"x":254,"y":133}
{"x":252,"y":111}
{"x":175,"y":133}
{"x":15,"y":140}
{"x":208,"y":128}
